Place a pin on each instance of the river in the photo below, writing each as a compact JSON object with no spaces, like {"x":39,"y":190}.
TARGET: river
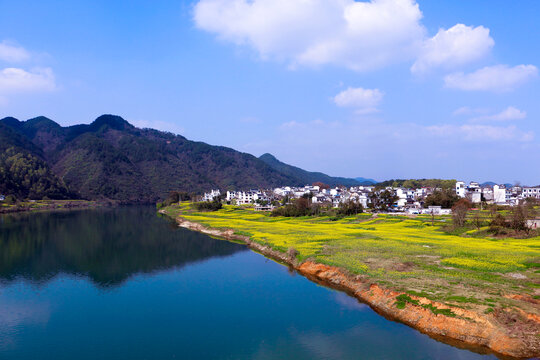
{"x":125,"y":283}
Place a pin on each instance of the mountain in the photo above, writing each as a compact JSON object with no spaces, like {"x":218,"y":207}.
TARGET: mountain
{"x":308,"y":177}
{"x":23,"y":169}
{"x":112,"y":159}
{"x":366,"y":181}
{"x":488,"y":183}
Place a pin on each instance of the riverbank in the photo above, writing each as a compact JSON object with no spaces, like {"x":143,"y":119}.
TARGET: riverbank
{"x":46,"y":205}
{"x":487,"y":310}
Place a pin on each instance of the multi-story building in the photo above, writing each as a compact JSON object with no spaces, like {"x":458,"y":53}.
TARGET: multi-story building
{"x":533,"y":192}
{"x":213,"y":194}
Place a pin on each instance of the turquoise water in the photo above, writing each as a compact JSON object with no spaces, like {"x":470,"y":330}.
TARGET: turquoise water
{"x":126,"y":284}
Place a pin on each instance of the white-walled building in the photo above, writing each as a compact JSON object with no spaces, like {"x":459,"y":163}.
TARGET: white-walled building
{"x":533,"y":192}
{"x":501,"y":195}
{"x":472,"y":192}
{"x":213,"y":194}
{"x":460,"y":189}
{"x":405,"y":196}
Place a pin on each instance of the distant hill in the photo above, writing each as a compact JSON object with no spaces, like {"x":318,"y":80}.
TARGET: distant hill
{"x":23,"y":169}
{"x":112,"y":159}
{"x":488,"y":183}
{"x":307,"y":177}
{"x":365,"y":181}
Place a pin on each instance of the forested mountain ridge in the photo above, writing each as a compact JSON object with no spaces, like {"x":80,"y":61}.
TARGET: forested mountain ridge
{"x":310,"y":177}
{"x":112,"y":159}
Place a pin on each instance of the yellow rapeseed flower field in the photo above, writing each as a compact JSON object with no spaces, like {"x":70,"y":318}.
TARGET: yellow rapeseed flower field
{"x":409,"y":254}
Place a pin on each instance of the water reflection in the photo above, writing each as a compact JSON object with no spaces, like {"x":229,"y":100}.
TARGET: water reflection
{"x":107,"y":245}
{"x":17,"y":314}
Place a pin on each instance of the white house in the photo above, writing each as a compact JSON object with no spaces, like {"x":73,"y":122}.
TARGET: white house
{"x":211,"y":195}
{"x":460,"y":189}
{"x":473,"y":191}
{"x":283,"y":191}
{"x":487,"y":193}
{"x":405,"y":196}
{"x":319,"y":198}
{"x":245,"y":197}
{"x":501,"y":195}
{"x":436,"y":210}
{"x":231,"y":195}
{"x":420,"y":193}
{"x":533,"y":192}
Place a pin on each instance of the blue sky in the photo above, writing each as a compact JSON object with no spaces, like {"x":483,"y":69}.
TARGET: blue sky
{"x":381,"y":89}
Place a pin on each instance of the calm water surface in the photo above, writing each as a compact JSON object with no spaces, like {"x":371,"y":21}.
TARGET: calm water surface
{"x":126,"y":284}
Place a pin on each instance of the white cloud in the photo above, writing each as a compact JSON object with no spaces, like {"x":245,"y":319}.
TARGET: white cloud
{"x":498,"y":78}
{"x":464,"y":110}
{"x":508,"y":114}
{"x":357,"y":35}
{"x":12,"y":53}
{"x":15,"y":80}
{"x":482,"y":133}
{"x":363,"y":100}
{"x":467,"y":110}
{"x":456,"y":46}
{"x":442,"y":148}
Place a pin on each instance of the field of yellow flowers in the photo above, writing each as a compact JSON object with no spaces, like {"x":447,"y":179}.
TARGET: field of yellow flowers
{"x":405,"y":253}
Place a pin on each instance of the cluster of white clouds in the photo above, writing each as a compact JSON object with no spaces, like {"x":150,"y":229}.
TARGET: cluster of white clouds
{"x":510,"y":113}
{"x":367,"y":35}
{"x":498,"y":78}
{"x":364,"y":101}
{"x":454,"y":47}
{"x":349,"y":147}
{"x":359,"y":35}
{"x":481,"y":132}
{"x":390,"y":133}
{"x":17,"y":80}
{"x":12,"y":52}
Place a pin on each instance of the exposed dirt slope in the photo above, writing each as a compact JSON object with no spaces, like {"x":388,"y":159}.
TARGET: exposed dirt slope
{"x":506,"y":333}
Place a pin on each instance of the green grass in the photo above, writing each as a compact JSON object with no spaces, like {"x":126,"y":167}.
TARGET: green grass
{"x":403,"y":299}
{"x":407,"y":253}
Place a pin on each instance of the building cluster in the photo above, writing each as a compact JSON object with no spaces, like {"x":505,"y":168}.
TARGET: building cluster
{"x":407,"y":200}
{"x":496,"y":194}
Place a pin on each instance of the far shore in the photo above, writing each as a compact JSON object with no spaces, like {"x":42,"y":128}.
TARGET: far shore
{"x":47,"y":205}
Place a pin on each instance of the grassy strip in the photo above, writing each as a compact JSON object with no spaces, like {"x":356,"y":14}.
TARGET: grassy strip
{"x":403,"y":299}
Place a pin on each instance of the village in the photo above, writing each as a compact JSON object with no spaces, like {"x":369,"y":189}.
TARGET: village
{"x":407,"y":200}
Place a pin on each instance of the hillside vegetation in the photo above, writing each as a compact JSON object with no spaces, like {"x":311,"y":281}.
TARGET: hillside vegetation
{"x":112,"y":159}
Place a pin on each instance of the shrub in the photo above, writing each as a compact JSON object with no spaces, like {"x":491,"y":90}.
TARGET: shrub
{"x":519,"y":218}
{"x":350,"y":208}
{"x":292,"y":253}
{"x":445,"y":198}
{"x":209,"y":205}
{"x":459,"y":212}
{"x":10,"y":200}
{"x":499,"y":220}
{"x":300,"y":207}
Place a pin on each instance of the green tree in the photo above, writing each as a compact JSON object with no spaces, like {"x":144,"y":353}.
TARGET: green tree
{"x":382,"y":200}
{"x":444,"y":198}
